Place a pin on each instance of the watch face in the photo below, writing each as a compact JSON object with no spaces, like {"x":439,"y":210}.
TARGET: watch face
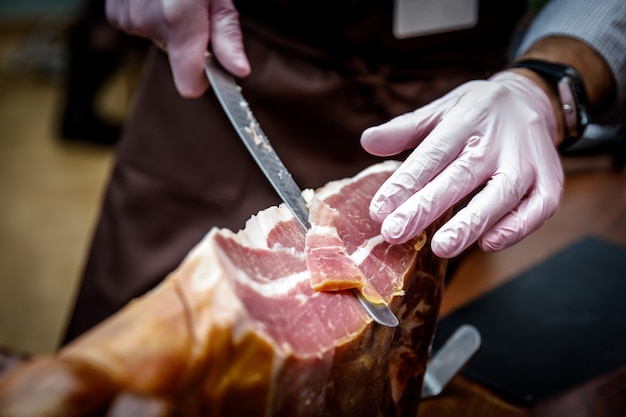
{"x":580,"y":96}
{"x":579,"y":115}
{"x":568,"y":105}
{"x":582,"y":104}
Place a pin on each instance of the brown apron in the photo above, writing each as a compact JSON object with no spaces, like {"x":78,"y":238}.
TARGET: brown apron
{"x":181,"y":169}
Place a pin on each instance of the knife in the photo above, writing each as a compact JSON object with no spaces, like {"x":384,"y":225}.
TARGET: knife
{"x":228,"y":93}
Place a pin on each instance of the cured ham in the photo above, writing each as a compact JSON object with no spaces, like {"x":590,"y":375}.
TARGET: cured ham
{"x":238,"y":328}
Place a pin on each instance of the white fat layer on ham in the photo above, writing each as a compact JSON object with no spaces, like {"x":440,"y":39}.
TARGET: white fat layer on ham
{"x":308,"y":195}
{"x":326,"y":231}
{"x":204,"y":276}
{"x":335,"y":187}
{"x":258,"y":227}
{"x":276,"y":287}
{"x":362,"y":252}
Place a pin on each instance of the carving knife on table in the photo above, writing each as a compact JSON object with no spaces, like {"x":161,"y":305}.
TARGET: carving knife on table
{"x":236,"y":107}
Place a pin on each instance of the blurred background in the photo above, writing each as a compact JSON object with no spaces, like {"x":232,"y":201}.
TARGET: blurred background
{"x":57,"y":138}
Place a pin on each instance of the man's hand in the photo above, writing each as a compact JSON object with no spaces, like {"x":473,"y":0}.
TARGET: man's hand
{"x":498,"y":136}
{"x":184,"y":28}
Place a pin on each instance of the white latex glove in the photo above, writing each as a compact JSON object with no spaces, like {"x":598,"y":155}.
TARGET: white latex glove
{"x":500,"y":133}
{"x":184,"y":29}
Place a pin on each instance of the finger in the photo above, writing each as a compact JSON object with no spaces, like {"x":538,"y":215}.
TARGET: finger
{"x":501,"y":194}
{"x":138,"y":19}
{"x":187,"y":62}
{"x":403,"y":132}
{"x":227,"y":39}
{"x":456,"y":181}
{"x":532,"y":213}
{"x":444,"y":144}
{"x":186,"y":49}
{"x":145,"y":20}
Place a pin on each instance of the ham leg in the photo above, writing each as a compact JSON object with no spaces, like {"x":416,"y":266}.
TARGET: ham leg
{"x":238,"y":330}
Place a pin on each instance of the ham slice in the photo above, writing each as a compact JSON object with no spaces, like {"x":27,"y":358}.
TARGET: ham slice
{"x":328,"y":262}
{"x":238,"y":329}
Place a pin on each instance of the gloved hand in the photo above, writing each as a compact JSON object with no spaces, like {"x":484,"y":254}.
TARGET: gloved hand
{"x":499,"y":133}
{"x":184,"y":28}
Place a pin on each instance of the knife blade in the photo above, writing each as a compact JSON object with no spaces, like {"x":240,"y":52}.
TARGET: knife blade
{"x":229,"y":95}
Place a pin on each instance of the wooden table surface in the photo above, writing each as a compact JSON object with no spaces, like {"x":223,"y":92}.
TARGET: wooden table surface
{"x":594,"y":203}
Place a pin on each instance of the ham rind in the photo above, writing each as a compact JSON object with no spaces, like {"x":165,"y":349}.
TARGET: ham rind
{"x":238,"y":330}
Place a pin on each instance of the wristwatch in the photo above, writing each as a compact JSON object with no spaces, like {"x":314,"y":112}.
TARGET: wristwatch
{"x":572,"y":94}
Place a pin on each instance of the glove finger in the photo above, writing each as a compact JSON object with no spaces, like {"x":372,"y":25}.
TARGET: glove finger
{"x":423,"y":207}
{"x":227,"y":39}
{"x":532,"y":212}
{"x":186,"y":48}
{"x":148,"y":21}
{"x":501,"y":194}
{"x":432,"y":156}
{"x":402,"y":132}
{"x":187,"y":62}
